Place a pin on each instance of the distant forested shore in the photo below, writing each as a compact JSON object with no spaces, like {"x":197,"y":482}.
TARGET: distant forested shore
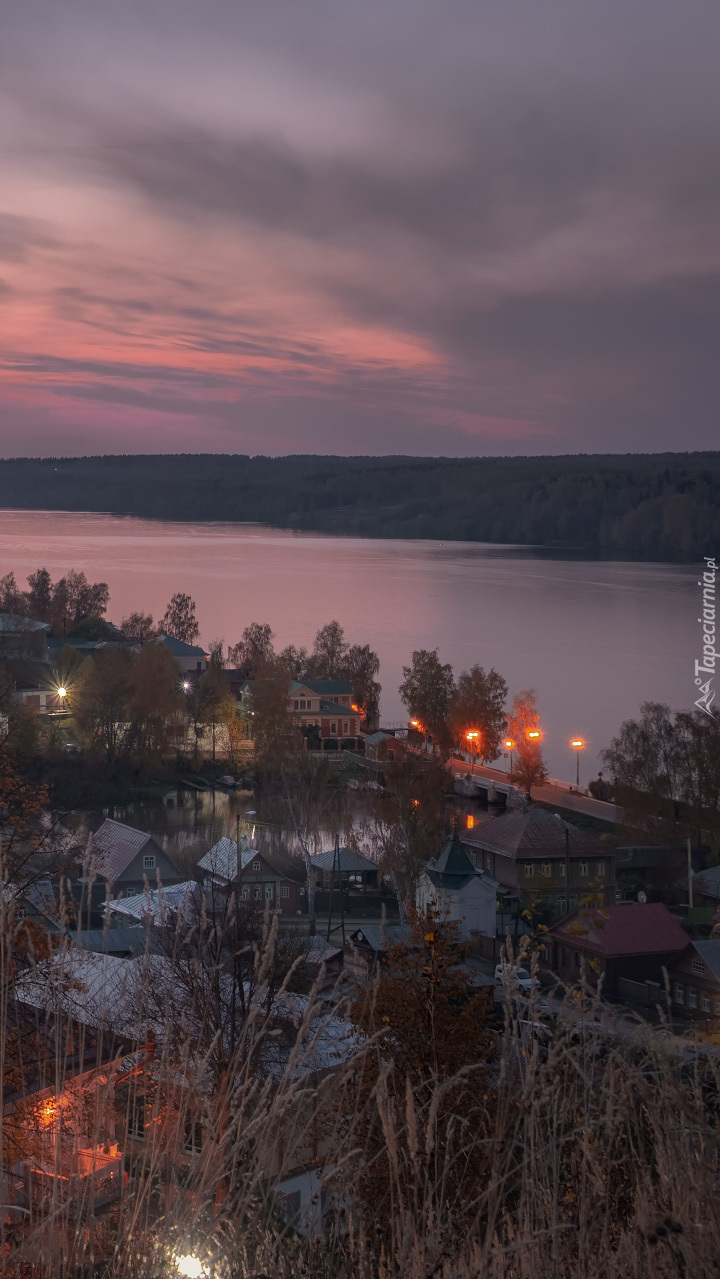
{"x":629,"y":506}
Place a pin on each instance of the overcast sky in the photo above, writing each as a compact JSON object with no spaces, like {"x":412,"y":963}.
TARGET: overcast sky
{"x":378,"y":226}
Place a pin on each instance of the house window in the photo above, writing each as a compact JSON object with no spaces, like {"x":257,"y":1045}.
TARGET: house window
{"x":599,"y":868}
{"x":193,"y":1137}
{"x":149,"y":862}
{"x":717,"y":1007}
{"x":573,"y":902}
{"x":256,"y":866}
{"x":692,"y":997}
{"x":529,"y":870}
{"x":698,"y":967}
{"x":546,"y":870}
{"x":565,"y":958}
{"x":297,"y":704}
{"x":705,"y":1003}
{"x":333,"y":729}
{"x":583,"y":869}
{"x":245,"y":892}
{"x":268,"y":892}
{"x":136,"y":1118}
{"x":256,"y":894}
{"x":577,"y":958}
{"x":284,"y":890}
{"x":563,"y":869}
{"x":561,"y":905}
{"x":679,"y":993}
{"x":346,"y":728}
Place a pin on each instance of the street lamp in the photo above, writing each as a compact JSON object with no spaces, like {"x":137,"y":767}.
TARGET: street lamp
{"x":533,"y":734}
{"x":186,"y":686}
{"x":472,"y":736}
{"x":577,"y":744}
{"x":510,"y":745}
{"x":62,"y":693}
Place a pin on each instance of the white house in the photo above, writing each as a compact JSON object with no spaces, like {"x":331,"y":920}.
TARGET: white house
{"x":453,"y":886}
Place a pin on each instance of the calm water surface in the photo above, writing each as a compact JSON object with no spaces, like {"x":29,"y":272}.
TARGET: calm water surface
{"x":594,"y":639}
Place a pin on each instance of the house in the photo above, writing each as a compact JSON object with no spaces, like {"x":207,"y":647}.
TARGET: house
{"x":258,"y":880}
{"x":384,"y":748}
{"x":125,"y":858}
{"x":352,"y":869}
{"x":454,"y":886}
{"x":125,"y":942}
{"x":658,"y":872}
{"x":327,"y":714}
{"x":23,"y":639}
{"x":694,"y":976}
{"x":542,"y":860}
{"x":706,"y":886}
{"x":36,"y":902}
{"x":632,"y":940}
{"x":191,"y":660}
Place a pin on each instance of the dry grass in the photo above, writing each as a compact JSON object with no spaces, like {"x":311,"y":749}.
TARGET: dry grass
{"x":593,"y":1157}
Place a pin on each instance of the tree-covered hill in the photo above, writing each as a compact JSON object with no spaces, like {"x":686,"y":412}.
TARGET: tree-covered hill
{"x":635,"y":506}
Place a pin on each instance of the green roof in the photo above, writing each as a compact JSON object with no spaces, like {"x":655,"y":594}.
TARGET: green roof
{"x":453,"y":868}
{"x":323,"y":687}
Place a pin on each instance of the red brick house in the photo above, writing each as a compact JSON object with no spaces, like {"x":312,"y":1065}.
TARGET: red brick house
{"x":632,"y":940}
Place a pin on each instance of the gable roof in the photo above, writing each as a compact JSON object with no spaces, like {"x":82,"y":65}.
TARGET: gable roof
{"x":323,"y":687}
{"x":348,"y":861}
{"x":15,"y":623}
{"x":632,"y":928}
{"x":115,"y":845}
{"x":221,"y":860}
{"x":453,"y":868}
{"x":533,"y":832}
{"x":708,"y":949}
{"x":374,"y":739}
{"x":179,"y":648}
{"x":134,"y":939}
{"x":708,"y":881}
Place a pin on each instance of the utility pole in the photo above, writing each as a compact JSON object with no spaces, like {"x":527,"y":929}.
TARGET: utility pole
{"x":690,"y":873}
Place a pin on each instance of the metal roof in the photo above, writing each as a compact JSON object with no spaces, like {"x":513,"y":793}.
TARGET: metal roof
{"x":709,"y":951}
{"x":453,"y":868}
{"x":323,"y":687}
{"x":348,"y":861}
{"x":157,"y":903}
{"x":533,"y":833}
{"x":133,"y":940}
{"x":179,"y":648}
{"x":632,"y":928}
{"x":115,"y":845}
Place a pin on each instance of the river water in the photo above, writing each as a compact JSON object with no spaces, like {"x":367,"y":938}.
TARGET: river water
{"x":595,"y":639}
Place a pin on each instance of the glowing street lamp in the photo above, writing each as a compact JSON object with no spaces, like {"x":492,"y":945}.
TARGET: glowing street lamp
{"x":190,"y":1267}
{"x":577,"y":744}
{"x":62,"y":693}
{"x":472,"y":736}
{"x":510,"y":745}
{"x":533,"y":734}
{"x":186,"y":686}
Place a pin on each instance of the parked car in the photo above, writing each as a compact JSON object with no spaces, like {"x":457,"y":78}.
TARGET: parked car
{"x":519,"y":975}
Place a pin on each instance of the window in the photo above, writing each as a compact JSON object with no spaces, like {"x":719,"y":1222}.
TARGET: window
{"x":284,"y":890}
{"x":136,"y":1117}
{"x":302,"y":703}
{"x":679,"y":993}
{"x":346,"y":728}
{"x":256,"y":894}
{"x":333,"y":729}
{"x":577,"y":958}
{"x":698,"y":966}
{"x":561,"y":905}
{"x":149,"y":862}
{"x":563,"y":869}
{"x":546,"y":870}
{"x":268,"y":892}
{"x":717,"y":1007}
{"x":245,"y":892}
{"x":705,"y":1004}
{"x":599,"y":868}
{"x":583,"y":869}
{"x":297,"y":704}
{"x":256,"y":866}
{"x":529,"y":870}
{"x":193,"y":1137}
{"x":565,"y":957}
{"x":573,"y":902}
{"x":692,"y":997}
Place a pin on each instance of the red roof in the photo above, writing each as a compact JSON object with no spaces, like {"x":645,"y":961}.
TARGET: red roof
{"x":633,"y":928}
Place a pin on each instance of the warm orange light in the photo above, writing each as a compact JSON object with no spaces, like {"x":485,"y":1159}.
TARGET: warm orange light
{"x":470,"y":821}
{"x":578,"y":743}
{"x":415,"y":723}
{"x":355,"y":708}
{"x":472,"y":735}
{"x":533,"y":733}
{"x":510,"y":744}
{"x":49,"y":1112}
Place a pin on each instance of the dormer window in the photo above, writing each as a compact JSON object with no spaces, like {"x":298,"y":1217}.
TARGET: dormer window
{"x":149,"y":861}
{"x":256,"y":866}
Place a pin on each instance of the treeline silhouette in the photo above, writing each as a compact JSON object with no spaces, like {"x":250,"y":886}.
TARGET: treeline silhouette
{"x":638,"y":506}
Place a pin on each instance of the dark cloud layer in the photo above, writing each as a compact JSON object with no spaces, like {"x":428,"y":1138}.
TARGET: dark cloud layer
{"x":456,"y":228}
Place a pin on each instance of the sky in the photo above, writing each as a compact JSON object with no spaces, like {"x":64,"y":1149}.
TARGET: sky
{"x":324,"y":226}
